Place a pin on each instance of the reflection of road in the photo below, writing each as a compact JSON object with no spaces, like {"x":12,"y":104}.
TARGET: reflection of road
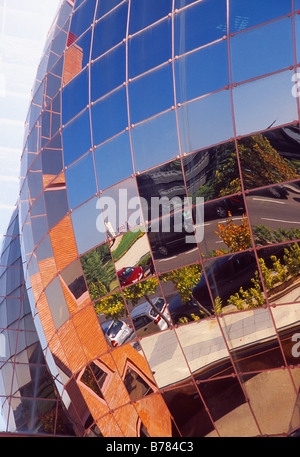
{"x":134,"y":254}
{"x":274,"y":212}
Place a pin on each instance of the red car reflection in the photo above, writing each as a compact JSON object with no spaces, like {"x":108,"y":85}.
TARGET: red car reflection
{"x":130,"y":275}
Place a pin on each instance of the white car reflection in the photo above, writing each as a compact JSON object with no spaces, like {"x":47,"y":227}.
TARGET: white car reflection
{"x":117,"y":332}
{"x":146,"y":320}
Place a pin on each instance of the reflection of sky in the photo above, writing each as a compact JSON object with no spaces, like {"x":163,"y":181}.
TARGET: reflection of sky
{"x":23,"y":30}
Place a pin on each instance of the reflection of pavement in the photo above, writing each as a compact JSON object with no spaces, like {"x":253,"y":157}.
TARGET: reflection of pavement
{"x":203,"y":344}
{"x":134,"y":254}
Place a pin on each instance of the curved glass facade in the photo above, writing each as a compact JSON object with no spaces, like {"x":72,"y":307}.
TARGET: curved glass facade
{"x":159,"y":218}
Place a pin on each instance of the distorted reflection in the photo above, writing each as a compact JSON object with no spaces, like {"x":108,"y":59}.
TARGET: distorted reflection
{"x":280,"y":272}
{"x":77,"y":55}
{"x":189,"y":412}
{"x":274,"y":213}
{"x":269,"y":158}
{"x":99,"y":271}
{"x":57,"y":303}
{"x":225,"y":227}
{"x":132,"y":257}
{"x":286,"y":319}
{"x":72,"y":277}
{"x":147,"y":307}
{"x":234,"y":282}
{"x":178,"y":286}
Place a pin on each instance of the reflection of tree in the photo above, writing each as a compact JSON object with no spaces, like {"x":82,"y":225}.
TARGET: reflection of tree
{"x":99,"y":271}
{"x":112,"y":306}
{"x":264,"y":235}
{"x":222,"y":175}
{"x":237,"y":237}
{"x":261,"y":164}
{"x":184,"y":280}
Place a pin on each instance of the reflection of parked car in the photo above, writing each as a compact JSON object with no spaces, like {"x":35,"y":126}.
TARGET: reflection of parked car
{"x":279,"y":191}
{"x":129,"y":275}
{"x":173,"y":235}
{"x":117,"y":332}
{"x":222,"y":207}
{"x":179,"y":310}
{"x":146,"y":320}
{"x":225,"y":277}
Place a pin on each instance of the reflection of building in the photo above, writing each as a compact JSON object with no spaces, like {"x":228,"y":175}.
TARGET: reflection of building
{"x":110,"y":92}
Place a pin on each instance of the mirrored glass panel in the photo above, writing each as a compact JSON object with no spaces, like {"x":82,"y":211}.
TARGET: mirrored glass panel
{"x":147,"y":307}
{"x":88,"y":225}
{"x":212,"y":173}
{"x":178,"y":286}
{"x":109,"y":116}
{"x":83,"y":18}
{"x":57,"y":303}
{"x":151,"y":94}
{"x":262,"y":50}
{"x":99,"y":271}
{"x":76,"y":138}
{"x":268,"y":388}
{"x":143,"y":13}
{"x":279,"y":266}
{"x":56,"y":204}
{"x":110,"y":30}
{"x":270,"y":158}
{"x":113,"y":318}
{"x":244,"y":14}
{"x":121,"y":207}
{"x":141,"y":57}
{"x":234,"y":282}
{"x":199,"y":24}
{"x":131,"y":255}
{"x":105,"y":74}
{"x":77,"y":55}
{"x":75,"y":96}
{"x":227,"y":402}
{"x":274,"y":111}
{"x":202,"y":72}
{"x":155,"y":141}
{"x":189,"y":412}
{"x":72,"y":277}
{"x":105,"y":6}
{"x":80,"y":181}
{"x":249,"y":336}
{"x":205,"y":121}
{"x":274,"y":213}
{"x":222,"y":226}
{"x":113,"y":161}
{"x":286,"y":319}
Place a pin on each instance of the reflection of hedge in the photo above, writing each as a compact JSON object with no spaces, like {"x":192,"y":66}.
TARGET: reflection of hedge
{"x":264,"y":235}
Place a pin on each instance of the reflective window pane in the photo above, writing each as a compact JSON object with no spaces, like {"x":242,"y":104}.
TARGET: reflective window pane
{"x":278,"y":110}
{"x":106,"y":5}
{"x":109,"y":116}
{"x":205,"y":121}
{"x":83,"y":17}
{"x":143,"y":13}
{"x":99,"y":272}
{"x":75,"y":96}
{"x":141,"y":57}
{"x":80,"y":181}
{"x":56,"y":205}
{"x":57,"y":303}
{"x":262,"y":50}
{"x":155,"y":141}
{"x":199,"y":24}
{"x":105,"y":74}
{"x":113,"y":161}
{"x":110,"y":30}
{"x":245,"y":14}
{"x":150,"y":94}
{"x":76,"y":138}
{"x":88,"y":235}
{"x":202,"y":72}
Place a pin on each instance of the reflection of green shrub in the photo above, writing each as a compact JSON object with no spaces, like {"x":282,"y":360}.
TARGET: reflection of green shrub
{"x":145,"y":261}
{"x":264,"y":235}
{"x":128,"y":239}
